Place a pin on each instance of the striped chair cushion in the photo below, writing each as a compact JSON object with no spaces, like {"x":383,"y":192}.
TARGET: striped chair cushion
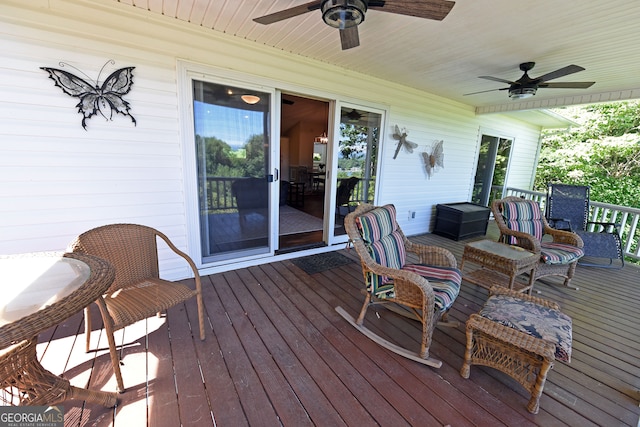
{"x":377,"y":223}
{"x":524,"y":216}
{"x":445,"y":282}
{"x":380,"y":234}
{"x":558,"y":253}
{"x":389,"y":251}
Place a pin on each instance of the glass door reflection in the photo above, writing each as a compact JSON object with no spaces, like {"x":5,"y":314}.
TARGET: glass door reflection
{"x":357,"y":153}
{"x":232,"y":152}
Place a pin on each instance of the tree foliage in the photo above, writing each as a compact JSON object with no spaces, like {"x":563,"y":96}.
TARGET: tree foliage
{"x":221,"y":160}
{"x":602,"y":152}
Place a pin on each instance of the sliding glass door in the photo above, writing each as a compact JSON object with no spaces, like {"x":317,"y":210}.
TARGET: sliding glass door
{"x":356,"y":164}
{"x":232,"y":143}
{"x":491,"y":171}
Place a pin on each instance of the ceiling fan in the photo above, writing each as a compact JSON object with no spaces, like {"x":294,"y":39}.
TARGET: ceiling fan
{"x":346,"y":15}
{"x":352,"y":116}
{"x":526,"y":86}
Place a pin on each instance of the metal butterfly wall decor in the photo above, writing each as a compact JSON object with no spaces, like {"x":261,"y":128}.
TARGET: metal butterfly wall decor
{"x":401,"y":136}
{"x":434,"y":160}
{"x":94,"y":97}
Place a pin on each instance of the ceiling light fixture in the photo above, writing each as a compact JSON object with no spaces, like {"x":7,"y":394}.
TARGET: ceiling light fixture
{"x":521,"y":92}
{"x":250,"y":99}
{"x":343,"y":13}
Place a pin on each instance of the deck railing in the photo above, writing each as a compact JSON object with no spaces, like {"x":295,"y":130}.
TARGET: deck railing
{"x":628,"y":219}
{"x":220,"y":197}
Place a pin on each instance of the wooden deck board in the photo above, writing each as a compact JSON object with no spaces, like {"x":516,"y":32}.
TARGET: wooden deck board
{"x":277,"y":353}
{"x":252,"y":398}
{"x":304,"y":342}
{"x":331,"y":345}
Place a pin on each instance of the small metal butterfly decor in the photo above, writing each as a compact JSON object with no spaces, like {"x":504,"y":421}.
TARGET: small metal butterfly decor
{"x":401,"y":136}
{"x":94,"y":97}
{"x":435,"y":160}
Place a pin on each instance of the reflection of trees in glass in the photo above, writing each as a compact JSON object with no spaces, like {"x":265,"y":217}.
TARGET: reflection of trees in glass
{"x":353,"y":150}
{"x":480,"y":172}
{"x":218,"y":164}
{"x":502,"y":160}
{"x":491,"y":172}
{"x":220,"y":160}
{"x":254,"y":164}
{"x":353,"y":159}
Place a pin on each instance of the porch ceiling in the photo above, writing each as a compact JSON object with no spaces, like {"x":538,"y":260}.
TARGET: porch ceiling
{"x":446,"y":57}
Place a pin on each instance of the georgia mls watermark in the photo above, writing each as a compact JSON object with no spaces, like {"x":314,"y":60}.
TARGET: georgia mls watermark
{"x":31,"y":416}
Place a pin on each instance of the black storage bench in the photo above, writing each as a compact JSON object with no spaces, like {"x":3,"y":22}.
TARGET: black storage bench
{"x":461,"y":220}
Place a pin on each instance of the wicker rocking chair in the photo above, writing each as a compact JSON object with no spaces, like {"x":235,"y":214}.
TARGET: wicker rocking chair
{"x":137,"y":291}
{"x":423,"y":292}
{"x":522,"y":224}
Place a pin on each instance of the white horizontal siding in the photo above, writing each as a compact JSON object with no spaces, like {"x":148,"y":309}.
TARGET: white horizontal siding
{"x":59,"y":179}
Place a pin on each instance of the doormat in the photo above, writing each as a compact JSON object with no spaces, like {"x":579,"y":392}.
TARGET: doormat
{"x":316,"y":263}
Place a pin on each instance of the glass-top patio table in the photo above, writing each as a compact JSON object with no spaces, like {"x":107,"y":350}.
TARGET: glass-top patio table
{"x":500,"y":264}
{"x":41,"y":290}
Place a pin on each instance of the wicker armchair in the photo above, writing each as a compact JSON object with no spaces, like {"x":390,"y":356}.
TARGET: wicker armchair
{"x":137,"y":291}
{"x":522,"y":224}
{"x":425,"y":291}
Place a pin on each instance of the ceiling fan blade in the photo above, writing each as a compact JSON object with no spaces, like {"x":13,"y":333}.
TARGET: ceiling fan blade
{"x":428,"y":9}
{"x":349,"y":38}
{"x":483,"y":91}
{"x":567,"y":85}
{"x":496,"y":79}
{"x":564,"y":71}
{"x":288,"y":13}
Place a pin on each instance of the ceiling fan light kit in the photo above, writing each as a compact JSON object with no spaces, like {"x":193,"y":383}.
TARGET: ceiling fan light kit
{"x":343,"y":13}
{"x":526,"y":87}
{"x":346,"y":15}
{"x":250,"y":99}
{"x":522,"y":92}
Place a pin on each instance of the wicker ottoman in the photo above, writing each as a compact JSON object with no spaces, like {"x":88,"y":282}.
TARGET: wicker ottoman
{"x":519,"y":335}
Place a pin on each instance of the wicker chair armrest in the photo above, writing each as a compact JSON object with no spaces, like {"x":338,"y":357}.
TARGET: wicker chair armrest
{"x":403,"y":282}
{"x":186,"y":257}
{"x":414,"y":291}
{"x":501,"y":290}
{"x":525,"y":240}
{"x":431,"y":255}
{"x":512,"y":336}
{"x":566,"y":237}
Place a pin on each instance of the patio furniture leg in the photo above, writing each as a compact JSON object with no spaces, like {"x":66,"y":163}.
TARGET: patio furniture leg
{"x":363,"y":310}
{"x":87,"y":327}
{"x":113,"y":352}
{"x":534,"y":403}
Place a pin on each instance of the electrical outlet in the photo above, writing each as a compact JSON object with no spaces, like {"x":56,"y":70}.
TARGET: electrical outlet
{"x":412,"y":215}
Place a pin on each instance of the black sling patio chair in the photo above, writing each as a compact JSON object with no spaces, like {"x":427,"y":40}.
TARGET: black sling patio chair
{"x":568,"y":209}
{"x":344,"y":193}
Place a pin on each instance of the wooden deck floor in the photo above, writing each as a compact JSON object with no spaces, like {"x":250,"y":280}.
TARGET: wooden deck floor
{"x":277,"y":353}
